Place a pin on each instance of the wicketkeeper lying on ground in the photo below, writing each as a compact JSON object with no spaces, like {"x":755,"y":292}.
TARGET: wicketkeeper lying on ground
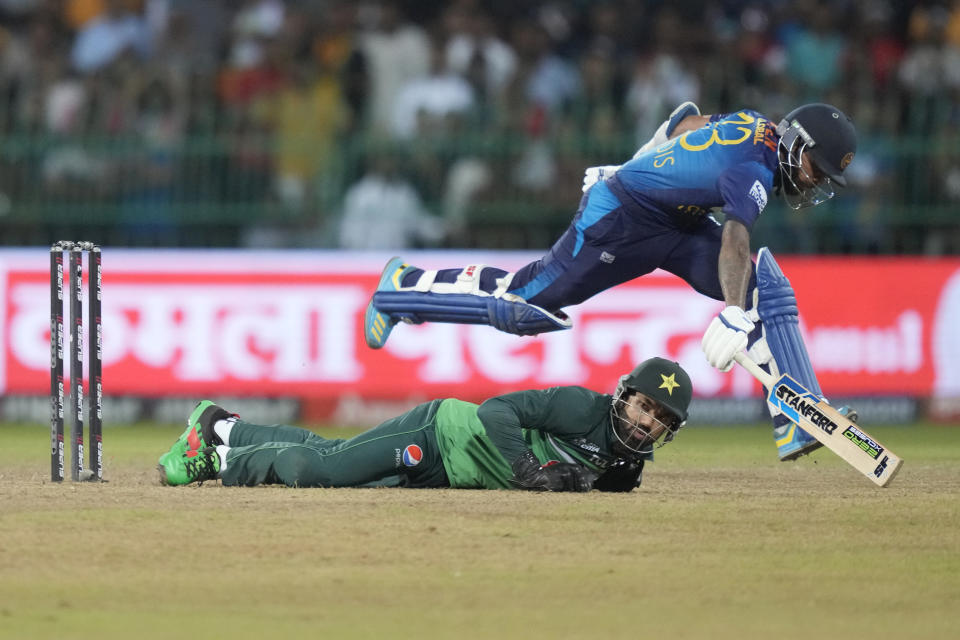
{"x":558,"y":439}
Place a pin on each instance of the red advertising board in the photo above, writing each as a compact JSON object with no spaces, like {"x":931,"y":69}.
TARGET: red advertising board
{"x":190,"y":323}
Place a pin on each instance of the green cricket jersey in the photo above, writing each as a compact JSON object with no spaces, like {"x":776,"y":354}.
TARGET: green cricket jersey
{"x":565,"y":424}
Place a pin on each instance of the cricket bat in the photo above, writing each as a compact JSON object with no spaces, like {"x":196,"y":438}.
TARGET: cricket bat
{"x":814,"y":415}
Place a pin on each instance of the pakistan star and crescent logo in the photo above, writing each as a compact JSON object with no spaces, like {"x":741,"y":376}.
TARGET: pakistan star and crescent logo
{"x":669,"y":383}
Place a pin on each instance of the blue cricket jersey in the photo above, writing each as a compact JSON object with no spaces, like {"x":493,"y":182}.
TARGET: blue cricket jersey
{"x":728,"y":163}
{"x":652,"y":213}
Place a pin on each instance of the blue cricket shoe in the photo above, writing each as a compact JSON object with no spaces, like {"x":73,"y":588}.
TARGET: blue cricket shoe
{"x":793,"y":442}
{"x":377,"y":326}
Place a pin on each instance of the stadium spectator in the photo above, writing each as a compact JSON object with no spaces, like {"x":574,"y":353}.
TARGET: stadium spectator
{"x":550,"y":80}
{"x":148,"y":175}
{"x":383,"y":210}
{"x":106,"y":37}
{"x":475,"y":50}
{"x":556,"y":86}
{"x":815,"y":53}
{"x":395,"y":51}
{"x":661,"y":79}
{"x":307,"y":116}
{"x":427,"y":103}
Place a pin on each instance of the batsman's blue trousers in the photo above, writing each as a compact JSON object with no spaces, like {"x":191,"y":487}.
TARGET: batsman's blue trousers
{"x":610,"y":242}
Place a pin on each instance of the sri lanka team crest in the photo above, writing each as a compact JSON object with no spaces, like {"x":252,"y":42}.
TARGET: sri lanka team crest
{"x":412,"y":455}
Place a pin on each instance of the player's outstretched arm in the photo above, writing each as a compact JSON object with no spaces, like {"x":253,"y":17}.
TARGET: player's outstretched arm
{"x":734,"y":265}
{"x":727,"y":334}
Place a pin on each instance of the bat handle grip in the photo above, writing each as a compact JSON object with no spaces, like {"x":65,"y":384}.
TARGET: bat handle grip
{"x":754,"y":369}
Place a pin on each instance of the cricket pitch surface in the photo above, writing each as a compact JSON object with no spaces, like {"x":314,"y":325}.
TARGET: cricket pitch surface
{"x":721,"y":541}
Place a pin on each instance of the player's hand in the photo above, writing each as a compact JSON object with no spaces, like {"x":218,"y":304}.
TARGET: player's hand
{"x":560,"y":476}
{"x":570,"y":477}
{"x":726,"y":336}
{"x":621,"y":476}
{"x":594,"y":175}
{"x":528,"y":474}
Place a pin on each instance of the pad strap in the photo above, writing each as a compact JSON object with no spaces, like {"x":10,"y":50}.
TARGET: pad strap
{"x":507,"y":313}
{"x":425,"y":281}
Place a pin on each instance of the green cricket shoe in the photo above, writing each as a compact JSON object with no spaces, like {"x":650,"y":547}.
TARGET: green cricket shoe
{"x":377,"y":326}
{"x":193,"y":466}
{"x":199,"y":432}
{"x":178,"y":449}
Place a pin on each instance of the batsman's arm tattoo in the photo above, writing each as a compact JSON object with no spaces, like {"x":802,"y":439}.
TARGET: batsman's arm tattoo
{"x":734,"y":266}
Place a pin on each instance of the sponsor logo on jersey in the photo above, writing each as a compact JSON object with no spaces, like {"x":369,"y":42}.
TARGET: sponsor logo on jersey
{"x":766,"y":134}
{"x":759,"y":132}
{"x":412,"y":455}
{"x":586,"y":445}
{"x":759,"y":195}
{"x":607,"y":257}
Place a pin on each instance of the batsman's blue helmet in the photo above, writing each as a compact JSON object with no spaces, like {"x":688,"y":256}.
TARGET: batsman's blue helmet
{"x":828,"y":135}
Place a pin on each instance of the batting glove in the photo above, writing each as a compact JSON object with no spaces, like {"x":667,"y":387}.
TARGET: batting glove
{"x":594,"y":175}
{"x":726,"y":336}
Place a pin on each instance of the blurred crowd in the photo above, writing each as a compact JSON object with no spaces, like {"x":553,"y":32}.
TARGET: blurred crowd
{"x":313,"y":122}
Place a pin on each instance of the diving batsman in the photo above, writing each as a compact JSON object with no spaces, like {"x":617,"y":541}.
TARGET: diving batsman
{"x":656,"y":211}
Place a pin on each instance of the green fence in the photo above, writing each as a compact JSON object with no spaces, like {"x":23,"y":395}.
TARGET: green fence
{"x":504,"y":191}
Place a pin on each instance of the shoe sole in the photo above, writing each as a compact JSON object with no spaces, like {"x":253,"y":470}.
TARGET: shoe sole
{"x":796,"y":437}
{"x":802,"y":451}
{"x":163,"y":475}
{"x":376,"y":326}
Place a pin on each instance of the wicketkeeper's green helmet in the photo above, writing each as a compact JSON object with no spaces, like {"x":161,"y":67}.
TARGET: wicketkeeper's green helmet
{"x":663,"y":382}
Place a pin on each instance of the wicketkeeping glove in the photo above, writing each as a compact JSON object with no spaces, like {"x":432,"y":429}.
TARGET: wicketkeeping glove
{"x":726,"y":336}
{"x":621,"y":476}
{"x":571,"y":477}
{"x":559,"y":476}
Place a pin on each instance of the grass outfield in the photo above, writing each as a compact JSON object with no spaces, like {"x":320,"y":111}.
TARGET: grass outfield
{"x":722,"y":541}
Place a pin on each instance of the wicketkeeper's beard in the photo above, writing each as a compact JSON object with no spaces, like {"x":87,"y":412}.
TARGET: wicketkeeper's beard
{"x":633,"y":437}
{"x":622,"y":452}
